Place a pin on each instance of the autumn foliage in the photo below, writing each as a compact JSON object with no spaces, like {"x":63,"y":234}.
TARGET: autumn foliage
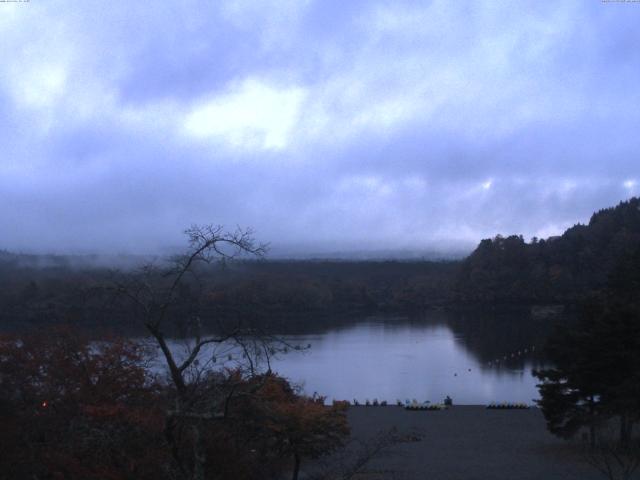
{"x":71,"y":409}
{"x":75,"y":409}
{"x":287,"y":426}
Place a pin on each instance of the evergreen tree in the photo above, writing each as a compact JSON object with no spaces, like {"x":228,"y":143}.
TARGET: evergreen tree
{"x":571,"y":391}
{"x":596,"y":373}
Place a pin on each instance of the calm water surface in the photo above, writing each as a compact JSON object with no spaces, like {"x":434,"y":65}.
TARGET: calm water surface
{"x":475,"y":362}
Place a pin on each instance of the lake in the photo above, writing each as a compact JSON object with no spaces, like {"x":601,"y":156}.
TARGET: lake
{"x":474,"y":358}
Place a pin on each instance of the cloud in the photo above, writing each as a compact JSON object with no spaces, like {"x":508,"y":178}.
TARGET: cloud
{"x":321,"y":124}
{"x":251,"y":115}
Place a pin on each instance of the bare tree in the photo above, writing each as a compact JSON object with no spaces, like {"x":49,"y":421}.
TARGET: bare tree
{"x":155,"y":293}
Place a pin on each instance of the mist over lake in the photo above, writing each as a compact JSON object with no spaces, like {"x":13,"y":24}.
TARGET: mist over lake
{"x":233,"y":228}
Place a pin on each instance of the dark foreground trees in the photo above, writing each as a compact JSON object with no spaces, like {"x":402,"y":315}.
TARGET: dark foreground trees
{"x":594,"y":388}
{"x":71,"y":409}
{"x":595,"y":381}
{"x":596,"y":373}
{"x":74,"y":409}
{"x":286,"y":425}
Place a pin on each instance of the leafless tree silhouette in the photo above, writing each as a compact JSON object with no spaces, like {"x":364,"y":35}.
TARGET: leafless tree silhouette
{"x":201,"y":394}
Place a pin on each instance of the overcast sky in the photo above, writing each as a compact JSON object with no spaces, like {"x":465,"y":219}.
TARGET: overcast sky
{"x":324,"y":125}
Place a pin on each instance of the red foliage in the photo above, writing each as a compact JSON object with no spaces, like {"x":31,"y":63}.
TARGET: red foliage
{"x":74,"y":409}
{"x":77,"y":410}
{"x":285,"y":425}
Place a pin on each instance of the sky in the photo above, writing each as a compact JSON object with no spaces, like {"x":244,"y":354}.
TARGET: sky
{"x":322,"y":125}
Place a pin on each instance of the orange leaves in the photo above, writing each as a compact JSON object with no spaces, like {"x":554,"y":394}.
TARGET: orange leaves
{"x":301,"y":425}
{"x":87,"y":410}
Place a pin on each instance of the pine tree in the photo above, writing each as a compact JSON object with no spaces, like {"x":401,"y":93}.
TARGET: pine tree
{"x":596,"y":372}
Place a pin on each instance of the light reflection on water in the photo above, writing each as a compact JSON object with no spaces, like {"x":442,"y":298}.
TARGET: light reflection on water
{"x":374,"y":360}
{"x":401,"y":360}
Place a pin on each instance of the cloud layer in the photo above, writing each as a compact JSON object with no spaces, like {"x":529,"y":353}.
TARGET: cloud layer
{"x":373,"y":125}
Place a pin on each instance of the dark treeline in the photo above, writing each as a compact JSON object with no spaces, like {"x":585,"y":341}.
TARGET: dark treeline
{"x":74,"y":410}
{"x":593,"y":385}
{"x":292,"y":294}
{"x":280,"y":293}
{"x":563,"y":269}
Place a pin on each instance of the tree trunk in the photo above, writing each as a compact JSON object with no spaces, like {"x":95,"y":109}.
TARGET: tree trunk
{"x":625,"y":431}
{"x":296,"y":466}
{"x":199,"y":456}
{"x":592,"y":423}
{"x":169,"y":428}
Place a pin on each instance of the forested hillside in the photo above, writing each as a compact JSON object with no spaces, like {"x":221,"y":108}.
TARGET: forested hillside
{"x":558,"y":269}
{"x":289,"y":294}
{"x":285,"y":294}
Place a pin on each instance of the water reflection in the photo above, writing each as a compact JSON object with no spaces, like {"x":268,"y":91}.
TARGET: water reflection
{"x":390,"y":361}
{"x":474,"y":359}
